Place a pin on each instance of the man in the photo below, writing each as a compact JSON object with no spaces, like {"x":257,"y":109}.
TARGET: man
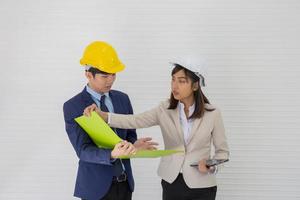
{"x":100,"y":174}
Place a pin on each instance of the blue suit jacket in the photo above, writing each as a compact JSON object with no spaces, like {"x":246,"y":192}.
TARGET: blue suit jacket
{"x":94,"y":175}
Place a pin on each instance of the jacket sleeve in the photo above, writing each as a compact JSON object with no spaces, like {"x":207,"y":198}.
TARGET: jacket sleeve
{"x":85,"y":149}
{"x":131,"y":133}
{"x":219,"y":138}
{"x":143,"y":120}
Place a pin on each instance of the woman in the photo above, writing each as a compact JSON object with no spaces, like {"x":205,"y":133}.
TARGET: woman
{"x":187,"y":121}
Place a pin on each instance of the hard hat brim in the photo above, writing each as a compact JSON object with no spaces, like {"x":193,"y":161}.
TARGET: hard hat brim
{"x":111,"y":70}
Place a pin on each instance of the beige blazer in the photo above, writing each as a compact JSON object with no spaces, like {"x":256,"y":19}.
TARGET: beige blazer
{"x":205,"y":131}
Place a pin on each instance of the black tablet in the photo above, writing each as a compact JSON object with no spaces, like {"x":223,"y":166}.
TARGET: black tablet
{"x":211,"y":162}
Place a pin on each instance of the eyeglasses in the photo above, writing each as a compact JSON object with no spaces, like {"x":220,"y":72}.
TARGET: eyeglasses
{"x":106,"y":75}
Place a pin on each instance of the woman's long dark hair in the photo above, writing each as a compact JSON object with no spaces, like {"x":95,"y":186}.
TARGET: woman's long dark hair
{"x":200,"y":98}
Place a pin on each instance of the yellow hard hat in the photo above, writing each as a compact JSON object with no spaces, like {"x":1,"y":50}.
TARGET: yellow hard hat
{"x":102,"y":56}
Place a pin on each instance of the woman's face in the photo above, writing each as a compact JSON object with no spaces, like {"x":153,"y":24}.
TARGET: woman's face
{"x":181,"y":86}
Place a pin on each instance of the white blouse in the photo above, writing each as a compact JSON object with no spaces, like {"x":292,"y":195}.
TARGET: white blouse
{"x":185,"y":123}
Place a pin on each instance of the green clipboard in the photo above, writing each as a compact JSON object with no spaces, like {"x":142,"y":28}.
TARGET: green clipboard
{"x":104,"y":137}
{"x":98,"y":130}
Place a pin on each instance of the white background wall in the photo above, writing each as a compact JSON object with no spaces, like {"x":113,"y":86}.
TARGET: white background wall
{"x":253,"y":51}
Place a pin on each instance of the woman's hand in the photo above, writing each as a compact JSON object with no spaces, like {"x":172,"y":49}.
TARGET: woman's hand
{"x":88,"y":110}
{"x":123,"y":148}
{"x":203,"y":168}
{"x":145,"y":144}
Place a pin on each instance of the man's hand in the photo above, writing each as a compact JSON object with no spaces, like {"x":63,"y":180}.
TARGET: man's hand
{"x":123,"y":148}
{"x":87,"y":112}
{"x":145,"y":144}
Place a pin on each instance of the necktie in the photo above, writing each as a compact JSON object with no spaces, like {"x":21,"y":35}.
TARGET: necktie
{"x":117,"y":165}
{"x":103,"y":107}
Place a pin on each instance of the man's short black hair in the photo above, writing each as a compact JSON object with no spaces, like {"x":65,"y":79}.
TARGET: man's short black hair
{"x":95,"y":71}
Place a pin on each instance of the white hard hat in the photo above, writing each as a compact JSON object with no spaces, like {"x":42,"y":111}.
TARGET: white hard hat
{"x":196,"y":64}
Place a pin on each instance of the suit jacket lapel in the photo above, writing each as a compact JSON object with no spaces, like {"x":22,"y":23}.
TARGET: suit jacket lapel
{"x":115,"y":102}
{"x":195,"y":126}
{"x":87,"y":98}
{"x":117,"y":109}
{"x":175,"y":118}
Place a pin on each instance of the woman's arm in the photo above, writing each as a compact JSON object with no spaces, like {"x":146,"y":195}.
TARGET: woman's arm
{"x":142,"y":120}
{"x":219,"y":138}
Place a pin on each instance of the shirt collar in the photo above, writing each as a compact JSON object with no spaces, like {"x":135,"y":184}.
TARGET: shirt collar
{"x":95,"y":94}
{"x":181,"y":108}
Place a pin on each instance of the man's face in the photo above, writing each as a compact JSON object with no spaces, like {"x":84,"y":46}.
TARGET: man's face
{"x":101,"y":82}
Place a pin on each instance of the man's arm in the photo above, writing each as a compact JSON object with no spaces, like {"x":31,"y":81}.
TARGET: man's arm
{"x":85,"y":149}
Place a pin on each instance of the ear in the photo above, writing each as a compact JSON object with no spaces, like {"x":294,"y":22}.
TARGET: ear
{"x":88,"y":75}
{"x":196,"y":86}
